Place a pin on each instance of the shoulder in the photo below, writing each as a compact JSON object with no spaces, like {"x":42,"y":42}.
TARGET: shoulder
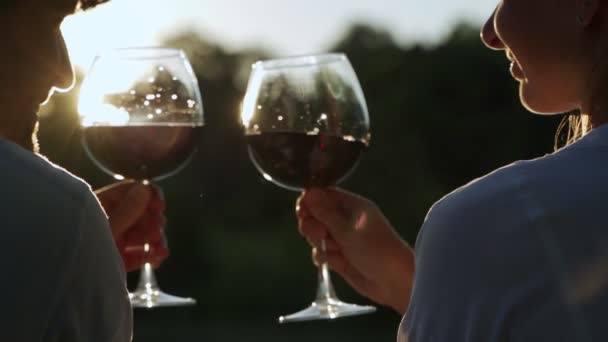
{"x":527,"y":191}
{"x":507,"y":240}
{"x":500,"y":191}
{"x":477,"y":240}
{"x":54,"y":227}
{"x":44,"y":205}
{"x":36,"y":177}
{"x":525,"y":183}
{"x":483,"y":222}
{"x":96,"y":307}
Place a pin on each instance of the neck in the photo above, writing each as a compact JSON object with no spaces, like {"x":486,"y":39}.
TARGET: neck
{"x":26,"y":138}
{"x":595,"y":92}
{"x":596,"y":109}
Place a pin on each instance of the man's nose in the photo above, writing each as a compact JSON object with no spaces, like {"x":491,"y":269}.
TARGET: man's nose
{"x":63,"y":71}
{"x":489,"y":36}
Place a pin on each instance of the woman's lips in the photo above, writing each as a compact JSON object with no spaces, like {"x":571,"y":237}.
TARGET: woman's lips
{"x":516,"y":71}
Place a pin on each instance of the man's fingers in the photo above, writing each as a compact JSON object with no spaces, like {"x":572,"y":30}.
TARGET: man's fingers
{"x":129,"y":209}
{"x":136,"y":257}
{"x":157,"y":199}
{"x":111,"y":194}
{"x":153,"y":248}
{"x":134,"y":240}
{"x":135,"y":262}
{"x":149,"y":229}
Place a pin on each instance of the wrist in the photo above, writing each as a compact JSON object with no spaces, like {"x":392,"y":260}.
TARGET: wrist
{"x":402,"y":271}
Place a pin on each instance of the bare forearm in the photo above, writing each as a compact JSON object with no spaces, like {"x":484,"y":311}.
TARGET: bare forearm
{"x":403,"y":271}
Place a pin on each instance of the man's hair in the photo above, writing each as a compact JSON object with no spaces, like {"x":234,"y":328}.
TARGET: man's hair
{"x":86,"y":4}
{"x":82,"y":4}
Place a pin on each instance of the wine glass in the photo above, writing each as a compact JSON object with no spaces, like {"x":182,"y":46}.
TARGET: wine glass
{"x":306,"y":124}
{"x":142,"y":114}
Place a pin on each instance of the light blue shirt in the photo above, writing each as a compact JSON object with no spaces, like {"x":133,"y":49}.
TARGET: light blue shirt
{"x":61,"y":277}
{"x":518,"y":255}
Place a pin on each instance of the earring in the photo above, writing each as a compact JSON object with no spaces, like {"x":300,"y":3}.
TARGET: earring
{"x":580,"y":19}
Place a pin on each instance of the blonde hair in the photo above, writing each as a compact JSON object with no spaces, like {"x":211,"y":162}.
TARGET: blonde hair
{"x":572,"y":127}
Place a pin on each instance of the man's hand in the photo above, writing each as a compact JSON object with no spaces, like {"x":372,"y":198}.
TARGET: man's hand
{"x":136,"y":215}
{"x":361,"y":245}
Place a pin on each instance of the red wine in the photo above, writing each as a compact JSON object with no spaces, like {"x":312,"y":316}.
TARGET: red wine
{"x":141,"y":152}
{"x":297,"y":161}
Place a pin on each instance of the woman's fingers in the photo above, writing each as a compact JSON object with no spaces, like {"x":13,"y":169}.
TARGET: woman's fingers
{"x":315,"y":232}
{"x":323,"y":209}
{"x":311,"y":228}
{"x":338,"y":263}
{"x":339,"y":211}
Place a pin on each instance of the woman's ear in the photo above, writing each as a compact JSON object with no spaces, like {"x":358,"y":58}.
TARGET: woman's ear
{"x":586,"y":11}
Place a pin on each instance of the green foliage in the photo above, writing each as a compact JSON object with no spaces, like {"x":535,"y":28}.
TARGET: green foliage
{"x":441,"y":116}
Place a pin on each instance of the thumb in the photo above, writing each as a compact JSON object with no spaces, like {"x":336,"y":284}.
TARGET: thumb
{"x":129,"y":208}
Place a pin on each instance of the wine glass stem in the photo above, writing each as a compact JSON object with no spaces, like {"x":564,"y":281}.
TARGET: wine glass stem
{"x":147,"y":280}
{"x":325,"y":288}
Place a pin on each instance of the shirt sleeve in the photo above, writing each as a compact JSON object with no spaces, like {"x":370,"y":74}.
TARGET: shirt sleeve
{"x":95,"y":305}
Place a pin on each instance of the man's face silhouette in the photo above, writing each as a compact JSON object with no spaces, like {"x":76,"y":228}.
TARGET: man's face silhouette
{"x":34,"y":62}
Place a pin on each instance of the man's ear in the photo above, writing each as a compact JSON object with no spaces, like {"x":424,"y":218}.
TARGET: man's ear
{"x":587,"y":10}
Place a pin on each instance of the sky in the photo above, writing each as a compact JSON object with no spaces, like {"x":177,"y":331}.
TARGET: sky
{"x":285,"y":27}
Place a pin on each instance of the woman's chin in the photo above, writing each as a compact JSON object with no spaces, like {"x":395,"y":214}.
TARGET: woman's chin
{"x":541,"y":103}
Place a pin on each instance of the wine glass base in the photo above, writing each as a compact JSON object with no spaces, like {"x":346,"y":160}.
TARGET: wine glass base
{"x":329,"y":309}
{"x":153,"y":298}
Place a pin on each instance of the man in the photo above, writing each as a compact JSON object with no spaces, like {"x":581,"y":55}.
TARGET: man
{"x":62,"y":276}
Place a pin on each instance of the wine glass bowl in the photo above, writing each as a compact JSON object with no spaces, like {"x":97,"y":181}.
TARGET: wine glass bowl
{"x":142,"y":114}
{"x":306,"y":125}
{"x":141,"y":152}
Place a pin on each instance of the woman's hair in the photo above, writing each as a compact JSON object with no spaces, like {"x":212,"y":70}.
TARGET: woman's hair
{"x":572,"y":127}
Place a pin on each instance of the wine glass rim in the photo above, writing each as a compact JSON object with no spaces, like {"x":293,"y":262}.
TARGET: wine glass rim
{"x":301,"y":61}
{"x":142,"y":52}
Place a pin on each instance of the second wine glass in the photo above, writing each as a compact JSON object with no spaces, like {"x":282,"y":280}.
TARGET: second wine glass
{"x":142,"y":114}
{"x":306,"y":124}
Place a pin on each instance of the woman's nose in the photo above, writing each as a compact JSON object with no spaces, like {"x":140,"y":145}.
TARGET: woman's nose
{"x":489,"y":36}
{"x":64,"y":72}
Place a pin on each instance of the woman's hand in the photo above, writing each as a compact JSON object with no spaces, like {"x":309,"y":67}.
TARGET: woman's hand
{"x":361,"y":244}
{"x":136,"y":215}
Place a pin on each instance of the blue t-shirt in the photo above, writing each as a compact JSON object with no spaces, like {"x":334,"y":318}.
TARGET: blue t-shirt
{"x":62,"y":279}
{"x":518,"y":255}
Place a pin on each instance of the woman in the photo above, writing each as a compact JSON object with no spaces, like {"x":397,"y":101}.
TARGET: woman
{"x":520,"y":254}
